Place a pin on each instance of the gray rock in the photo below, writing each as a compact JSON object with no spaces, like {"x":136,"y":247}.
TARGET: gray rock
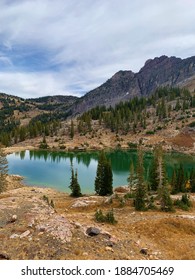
{"x":13,"y":219}
{"x":109,"y":244}
{"x":92,"y":231}
{"x":14,"y":236}
{"x":25,"y":234}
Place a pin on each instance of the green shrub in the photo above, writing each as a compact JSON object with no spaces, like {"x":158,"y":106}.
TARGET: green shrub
{"x":150,"y":132}
{"x":110,"y":217}
{"x":121,"y":202}
{"x":132,"y":145}
{"x":45,"y":198}
{"x":192,"y":124}
{"x":43,"y":146}
{"x":151,"y":204}
{"x":52,"y":204}
{"x":99,"y":216}
{"x":184,"y":203}
{"x":129,"y":195}
{"x":105,"y":218}
{"x":62,"y":147}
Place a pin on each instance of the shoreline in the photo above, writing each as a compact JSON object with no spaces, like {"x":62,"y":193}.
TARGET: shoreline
{"x":17,"y":149}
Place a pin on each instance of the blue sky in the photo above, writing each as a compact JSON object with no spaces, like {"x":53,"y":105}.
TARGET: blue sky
{"x":70,"y":47}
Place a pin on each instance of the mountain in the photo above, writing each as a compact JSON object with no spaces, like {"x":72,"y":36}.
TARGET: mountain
{"x":55,"y":99}
{"x":158,"y":72}
{"x":45,"y":103}
{"x":16,"y":111}
{"x":124,"y":85}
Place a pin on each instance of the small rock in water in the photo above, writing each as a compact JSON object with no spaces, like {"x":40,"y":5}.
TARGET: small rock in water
{"x":92,"y":231}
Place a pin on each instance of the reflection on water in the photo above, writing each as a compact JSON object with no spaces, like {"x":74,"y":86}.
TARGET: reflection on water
{"x":52,"y":169}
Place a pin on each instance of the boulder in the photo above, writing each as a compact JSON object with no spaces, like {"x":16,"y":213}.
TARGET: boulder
{"x":79,"y":204}
{"x":122,"y":189}
{"x":92,"y":231}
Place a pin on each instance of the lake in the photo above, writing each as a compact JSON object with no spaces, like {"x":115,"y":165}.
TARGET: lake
{"x":53,"y":169}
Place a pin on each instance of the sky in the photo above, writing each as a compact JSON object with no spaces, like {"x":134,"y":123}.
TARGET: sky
{"x":70,"y":47}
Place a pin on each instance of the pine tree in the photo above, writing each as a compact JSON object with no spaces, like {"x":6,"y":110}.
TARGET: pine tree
{"x":99,"y":173}
{"x":132,"y":176}
{"x":174,"y":182}
{"x":164,"y":195}
{"x":43,"y":144}
{"x":108,"y":178}
{"x":74,"y":185}
{"x":141,"y":191}
{"x":72,"y":129}
{"x":3,"y":171}
{"x":192,"y":180}
{"x":177,"y":106}
{"x":165,"y":200}
{"x":180,"y":179}
{"x":104,"y":177}
{"x":153,"y":174}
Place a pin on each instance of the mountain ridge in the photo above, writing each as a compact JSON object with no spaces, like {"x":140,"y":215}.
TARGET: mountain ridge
{"x":123,"y":85}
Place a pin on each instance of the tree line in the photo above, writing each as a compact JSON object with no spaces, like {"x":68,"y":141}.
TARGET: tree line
{"x":132,"y":115}
{"x":32,"y":130}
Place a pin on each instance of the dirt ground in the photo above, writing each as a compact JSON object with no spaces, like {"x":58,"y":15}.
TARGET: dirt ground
{"x":31,"y":229}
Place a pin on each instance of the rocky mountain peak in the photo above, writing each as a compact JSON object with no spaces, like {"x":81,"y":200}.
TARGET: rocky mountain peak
{"x":123,"y":85}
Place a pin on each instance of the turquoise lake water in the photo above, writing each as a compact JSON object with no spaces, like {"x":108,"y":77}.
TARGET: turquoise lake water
{"x":53,"y":169}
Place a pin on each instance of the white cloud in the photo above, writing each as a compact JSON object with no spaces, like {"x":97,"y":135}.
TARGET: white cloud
{"x":32,"y":84}
{"x":5,"y":61}
{"x":86,"y":42}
